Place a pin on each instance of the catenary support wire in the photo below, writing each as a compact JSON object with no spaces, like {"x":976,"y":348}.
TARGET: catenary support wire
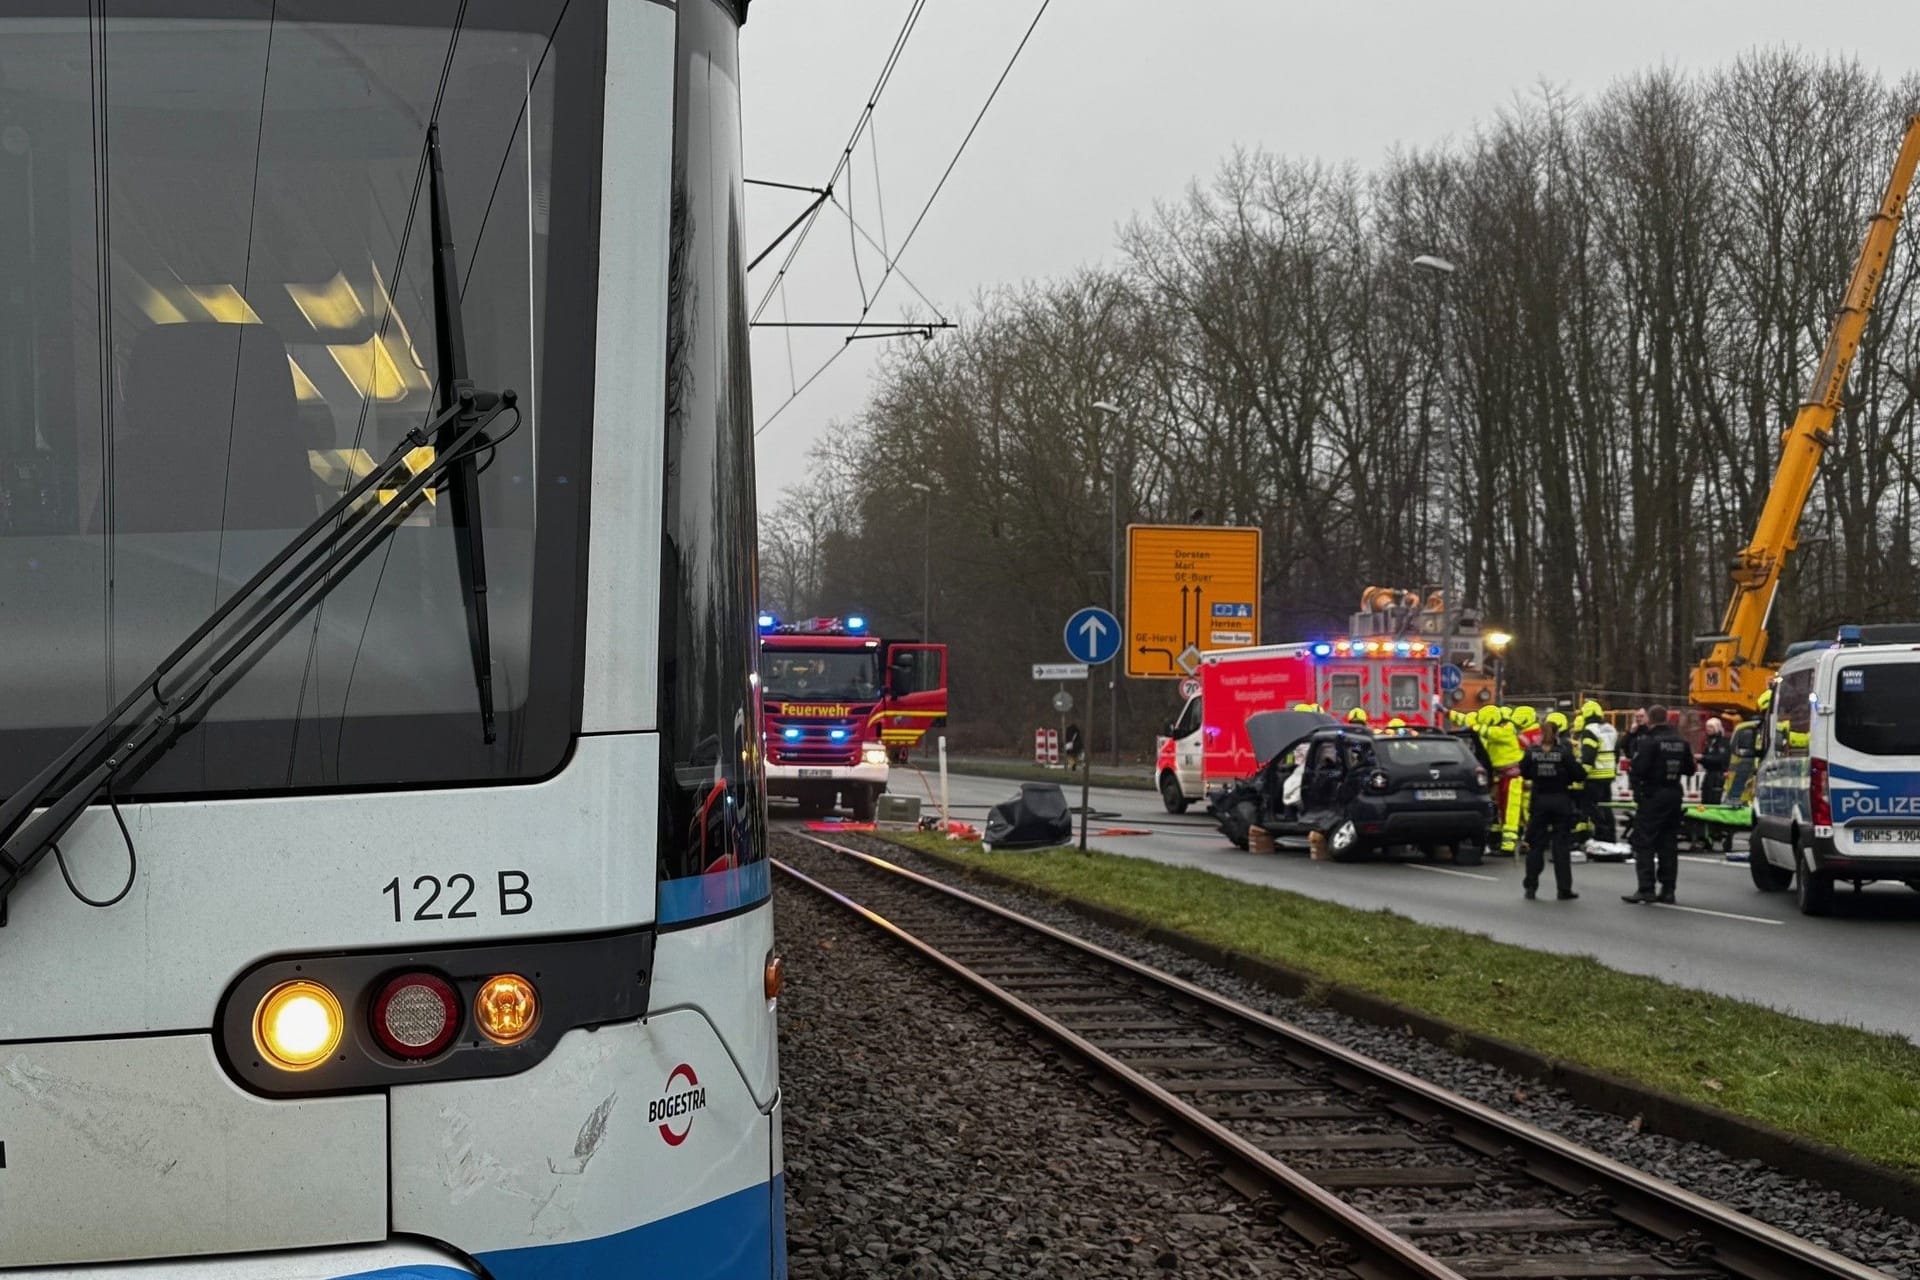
{"x":920,"y":219}
{"x":846,"y":153}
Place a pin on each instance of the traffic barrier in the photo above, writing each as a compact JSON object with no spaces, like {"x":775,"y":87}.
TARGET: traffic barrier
{"x":1046,"y":747}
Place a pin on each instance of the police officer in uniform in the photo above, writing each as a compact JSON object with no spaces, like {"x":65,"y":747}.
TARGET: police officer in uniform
{"x":1661,"y":762}
{"x":1552,"y":769}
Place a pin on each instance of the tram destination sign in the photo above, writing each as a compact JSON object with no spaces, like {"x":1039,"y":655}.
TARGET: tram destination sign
{"x":1190,"y":589}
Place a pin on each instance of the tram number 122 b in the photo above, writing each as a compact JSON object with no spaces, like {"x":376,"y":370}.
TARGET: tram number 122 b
{"x":515,"y":896}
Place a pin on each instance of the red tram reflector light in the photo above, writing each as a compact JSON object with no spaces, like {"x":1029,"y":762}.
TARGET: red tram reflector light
{"x":416,"y":1016}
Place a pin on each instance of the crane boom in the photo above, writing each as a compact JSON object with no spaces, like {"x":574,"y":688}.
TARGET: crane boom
{"x":1735,"y":671}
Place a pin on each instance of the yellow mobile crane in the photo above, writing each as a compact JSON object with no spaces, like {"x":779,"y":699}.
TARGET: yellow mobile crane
{"x":1732,"y":676}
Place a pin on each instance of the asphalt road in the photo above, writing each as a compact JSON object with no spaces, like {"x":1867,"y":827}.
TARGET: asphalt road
{"x":1724,"y":936}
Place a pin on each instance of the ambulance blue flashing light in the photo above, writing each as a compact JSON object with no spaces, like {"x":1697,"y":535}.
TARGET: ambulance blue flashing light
{"x":1374,"y":649}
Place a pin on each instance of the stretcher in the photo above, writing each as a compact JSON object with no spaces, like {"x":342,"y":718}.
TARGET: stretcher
{"x":1736,"y":817}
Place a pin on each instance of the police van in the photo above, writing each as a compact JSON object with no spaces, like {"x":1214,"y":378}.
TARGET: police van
{"x":1837,"y":795}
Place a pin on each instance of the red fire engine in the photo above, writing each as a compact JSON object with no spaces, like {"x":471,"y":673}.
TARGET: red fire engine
{"x":1206,"y":745}
{"x":838,"y":705}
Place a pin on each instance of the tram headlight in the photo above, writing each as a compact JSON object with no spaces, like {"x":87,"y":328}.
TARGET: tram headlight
{"x":506,"y":1008}
{"x":298,"y":1025}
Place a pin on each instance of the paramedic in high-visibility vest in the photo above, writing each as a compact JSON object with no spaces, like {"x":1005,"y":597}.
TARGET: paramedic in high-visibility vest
{"x":1596,"y":742}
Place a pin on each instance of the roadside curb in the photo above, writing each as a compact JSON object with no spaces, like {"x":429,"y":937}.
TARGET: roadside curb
{"x":1659,"y":1111}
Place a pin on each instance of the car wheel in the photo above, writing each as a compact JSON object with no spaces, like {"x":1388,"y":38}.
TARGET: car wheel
{"x":1767,"y":878}
{"x":1170,"y":794}
{"x":1240,"y":820}
{"x":1815,"y":888}
{"x":1344,"y":840}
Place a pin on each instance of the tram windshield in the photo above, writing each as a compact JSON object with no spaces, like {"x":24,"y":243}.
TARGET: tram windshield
{"x":216,"y":311}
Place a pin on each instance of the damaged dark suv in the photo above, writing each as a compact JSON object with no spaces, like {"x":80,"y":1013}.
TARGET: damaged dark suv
{"x":1363,"y":792}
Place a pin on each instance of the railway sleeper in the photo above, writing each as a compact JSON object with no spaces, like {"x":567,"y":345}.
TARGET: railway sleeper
{"x":1573,"y":1266}
{"x":1528,"y":1221}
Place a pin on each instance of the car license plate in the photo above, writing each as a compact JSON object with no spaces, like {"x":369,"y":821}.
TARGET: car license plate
{"x":1886,"y":835}
{"x":816,"y":773}
{"x":1443,"y":793}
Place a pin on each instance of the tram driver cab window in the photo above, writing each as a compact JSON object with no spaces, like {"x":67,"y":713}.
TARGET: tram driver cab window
{"x":219,"y":314}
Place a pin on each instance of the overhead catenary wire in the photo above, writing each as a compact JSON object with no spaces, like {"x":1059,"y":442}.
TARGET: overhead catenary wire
{"x":893,"y":260}
{"x":961,"y":150}
{"x":846,"y":153}
{"x":879,"y":197}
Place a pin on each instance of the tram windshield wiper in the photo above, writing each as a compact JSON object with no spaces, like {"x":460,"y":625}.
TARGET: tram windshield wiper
{"x":168,"y":700}
{"x":450,"y":341}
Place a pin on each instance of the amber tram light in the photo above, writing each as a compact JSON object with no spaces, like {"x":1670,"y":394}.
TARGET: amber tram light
{"x":506,"y":1008}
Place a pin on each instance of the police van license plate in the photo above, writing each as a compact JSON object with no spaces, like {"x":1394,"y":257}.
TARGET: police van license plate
{"x":1443,"y":793}
{"x":1886,"y":835}
{"x":816,"y":773}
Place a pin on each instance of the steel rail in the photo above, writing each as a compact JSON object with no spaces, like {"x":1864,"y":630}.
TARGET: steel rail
{"x":1703,"y":1229}
{"x":1357,"y":1242}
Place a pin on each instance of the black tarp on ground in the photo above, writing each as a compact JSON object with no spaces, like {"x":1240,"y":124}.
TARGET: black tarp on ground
{"x":1037,"y":818}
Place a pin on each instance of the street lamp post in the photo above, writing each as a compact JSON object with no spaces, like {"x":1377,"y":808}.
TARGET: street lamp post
{"x":1113,"y":582}
{"x":926,"y":561}
{"x":1443,"y":268}
{"x":1498,"y":641}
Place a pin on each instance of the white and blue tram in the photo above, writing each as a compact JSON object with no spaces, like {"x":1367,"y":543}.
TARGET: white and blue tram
{"x":382,"y":846}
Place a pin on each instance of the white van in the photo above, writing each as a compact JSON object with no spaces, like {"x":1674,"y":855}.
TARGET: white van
{"x":1837,"y":796}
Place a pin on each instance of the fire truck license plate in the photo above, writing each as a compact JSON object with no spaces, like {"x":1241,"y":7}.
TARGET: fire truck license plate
{"x":816,"y":773}
{"x":1445,"y":793}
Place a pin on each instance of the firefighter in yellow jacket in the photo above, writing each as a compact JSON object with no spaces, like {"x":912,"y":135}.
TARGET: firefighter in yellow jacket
{"x":1510,"y":795}
{"x":1502,"y":745}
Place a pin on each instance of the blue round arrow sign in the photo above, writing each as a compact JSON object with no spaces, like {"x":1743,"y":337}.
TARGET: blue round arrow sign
{"x":1093,"y":636}
{"x":1450,"y":677}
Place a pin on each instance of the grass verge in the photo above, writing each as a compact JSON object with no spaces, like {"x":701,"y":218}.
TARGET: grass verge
{"x":1852,"y":1089}
{"x":1039,"y":773}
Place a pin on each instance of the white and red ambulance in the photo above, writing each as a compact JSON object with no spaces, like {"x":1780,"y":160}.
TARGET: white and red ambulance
{"x":1206,"y":745}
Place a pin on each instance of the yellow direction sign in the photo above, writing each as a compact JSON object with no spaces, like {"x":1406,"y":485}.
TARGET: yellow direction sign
{"x":1190,"y":588}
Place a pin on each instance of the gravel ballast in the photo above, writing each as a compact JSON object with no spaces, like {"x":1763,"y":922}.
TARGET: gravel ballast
{"x":925,"y":1137}
{"x":1873,"y":1236}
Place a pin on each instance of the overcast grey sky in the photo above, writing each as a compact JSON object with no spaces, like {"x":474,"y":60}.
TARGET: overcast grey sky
{"x":1118,"y":103}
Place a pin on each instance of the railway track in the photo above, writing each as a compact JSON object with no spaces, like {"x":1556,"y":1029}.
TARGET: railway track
{"x":1385,"y":1174}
